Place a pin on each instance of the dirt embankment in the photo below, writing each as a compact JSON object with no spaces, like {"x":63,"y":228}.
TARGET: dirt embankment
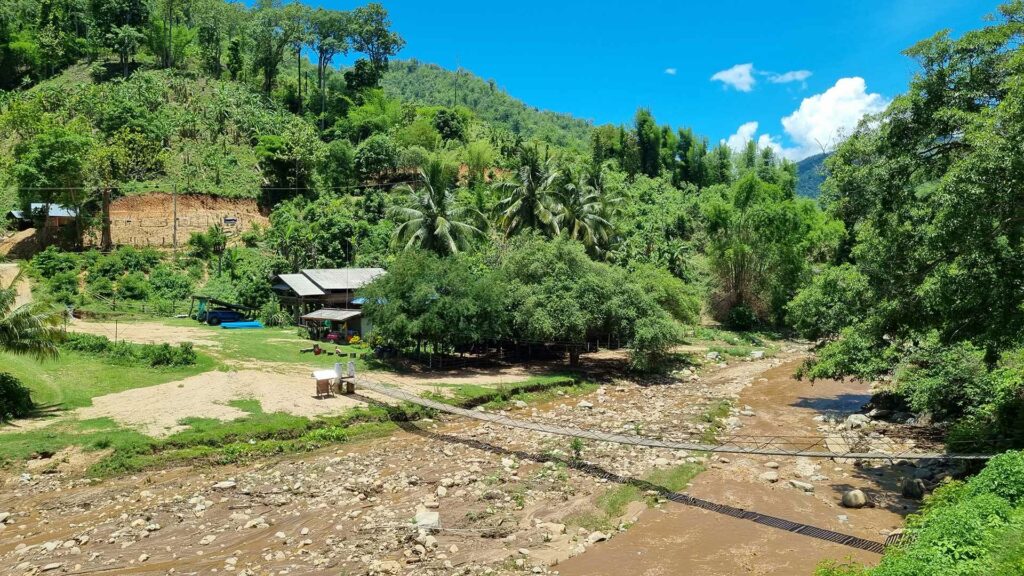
{"x":148,"y":219}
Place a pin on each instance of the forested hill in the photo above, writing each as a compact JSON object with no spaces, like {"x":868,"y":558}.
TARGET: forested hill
{"x":811,"y":175}
{"x":429,"y":84}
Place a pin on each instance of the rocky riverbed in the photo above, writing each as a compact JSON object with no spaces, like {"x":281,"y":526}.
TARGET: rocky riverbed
{"x":446,"y":497}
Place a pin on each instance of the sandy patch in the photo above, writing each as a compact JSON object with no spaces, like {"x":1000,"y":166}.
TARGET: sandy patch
{"x":7,"y":274}
{"x":145,"y":332}
{"x":158,"y":410}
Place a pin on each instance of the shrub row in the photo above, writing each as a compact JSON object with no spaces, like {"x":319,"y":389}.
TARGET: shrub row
{"x":129,"y":354}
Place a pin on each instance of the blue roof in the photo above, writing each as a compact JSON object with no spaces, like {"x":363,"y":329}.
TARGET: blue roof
{"x":56,"y":210}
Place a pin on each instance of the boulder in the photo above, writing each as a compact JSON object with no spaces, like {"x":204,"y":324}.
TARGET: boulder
{"x":913,"y":488}
{"x":596,"y":537}
{"x":428,"y":520}
{"x":770,"y":476}
{"x":757,"y":354}
{"x":854,"y":499}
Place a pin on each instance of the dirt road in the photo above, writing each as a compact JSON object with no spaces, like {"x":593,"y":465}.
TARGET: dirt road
{"x":503,"y":505}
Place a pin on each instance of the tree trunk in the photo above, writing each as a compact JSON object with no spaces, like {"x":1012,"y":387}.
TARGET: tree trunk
{"x":574,"y":357}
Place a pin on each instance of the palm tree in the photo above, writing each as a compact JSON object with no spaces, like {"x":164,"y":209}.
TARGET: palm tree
{"x":29,"y":328}
{"x":435,"y":221}
{"x":529,"y":201}
{"x":583,"y":212}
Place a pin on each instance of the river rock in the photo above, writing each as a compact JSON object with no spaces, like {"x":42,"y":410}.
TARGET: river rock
{"x":757,"y":354}
{"x":854,"y":499}
{"x":913,"y":488}
{"x":596,"y":537}
{"x":802,"y":485}
{"x":225,"y":485}
{"x":770,"y":476}
{"x":428,"y":520}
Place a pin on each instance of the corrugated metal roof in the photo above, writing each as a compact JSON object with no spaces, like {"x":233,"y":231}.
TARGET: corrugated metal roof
{"x":56,"y":210}
{"x":301,"y":285}
{"x":343,"y":278}
{"x":332,"y":314}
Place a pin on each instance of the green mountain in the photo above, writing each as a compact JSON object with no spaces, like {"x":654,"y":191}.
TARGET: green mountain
{"x":429,"y":84}
{"x":811,"y":175}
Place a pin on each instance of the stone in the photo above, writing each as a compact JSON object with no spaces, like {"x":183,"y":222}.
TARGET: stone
{"x":913,"y":488}
{"x":802,"y":485}
{"x":208,"y":539}
{"x":712,"y":355}
{"x":519,"y":404}
{"x":386,"y":567}
{"x":596,"y":537}
{"x":856,"y":421}
{"x":773,"y":465}
{"x":524,"y":551}
{"x":584,"y":404}
{"x":4,"y":517}
{"x":51,"y":566}
{"x":428,"y":520}
{"x":757,"y":354}
{"x":854,"y":499}
{"x":143,"y":557}
{"x":770,"y":476}
{"x":225,"y":485}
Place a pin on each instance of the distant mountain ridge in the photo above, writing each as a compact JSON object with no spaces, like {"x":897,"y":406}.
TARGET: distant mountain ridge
{"x":432,"y":85}
{"x":811,"y":175}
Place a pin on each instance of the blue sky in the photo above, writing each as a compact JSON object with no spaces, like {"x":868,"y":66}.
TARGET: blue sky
{"x":601,"y":59}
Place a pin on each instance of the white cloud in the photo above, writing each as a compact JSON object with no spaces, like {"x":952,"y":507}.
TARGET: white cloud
{"x":787,"y":77}
{"x":747,"y":132}
{"x":824,"y":119}
{"x":740,"y":77}
{"x":671,"y":71}
{"x":744,"y":134}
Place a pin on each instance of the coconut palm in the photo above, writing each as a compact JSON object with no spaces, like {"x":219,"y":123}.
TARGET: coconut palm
{"x":27,"y":329}
{"x":528,"y":200}
{"x":435,"y":221}
{"x":583,"y":212}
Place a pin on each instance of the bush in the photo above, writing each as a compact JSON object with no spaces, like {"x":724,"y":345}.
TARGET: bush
{"x":133,"y":286}
{"x":63,"y":286}
{"x":100,"y":286}
{"x":126,"y":353}
{"x":53,"y":261}
{"x":170,"y":284}
{"x":947,"y":380}
{"x":834,"y":300}
{"x":15,"y":400}
{"x":376,"y":156}
{"x":1003,"y":476}
{"x":741,"y":317}
{"x":857,"y":352}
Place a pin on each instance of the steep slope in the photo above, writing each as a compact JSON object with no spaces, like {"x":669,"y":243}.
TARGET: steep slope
{"x":432,"y":85}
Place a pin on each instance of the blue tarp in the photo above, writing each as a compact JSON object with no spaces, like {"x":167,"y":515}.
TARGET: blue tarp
{"x":242,"y":325}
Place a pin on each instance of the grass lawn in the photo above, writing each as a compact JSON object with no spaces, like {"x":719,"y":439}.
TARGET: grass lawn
{"x":267,"y":345}
{"x":72,"y":380}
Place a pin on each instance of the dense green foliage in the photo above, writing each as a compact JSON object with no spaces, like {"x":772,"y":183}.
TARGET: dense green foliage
{"x":356,"y":166}
{"x":930,"y":194}
{"x":431,"y":85}
{"x":15,"y":400}
{"x":965,"y":529}
{"x":530,"y":292}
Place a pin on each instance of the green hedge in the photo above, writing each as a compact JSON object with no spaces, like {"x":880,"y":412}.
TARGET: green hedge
{"x":129,"y":354}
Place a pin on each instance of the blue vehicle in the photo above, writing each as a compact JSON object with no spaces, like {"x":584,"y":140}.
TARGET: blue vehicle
{"x":218,"y":315}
